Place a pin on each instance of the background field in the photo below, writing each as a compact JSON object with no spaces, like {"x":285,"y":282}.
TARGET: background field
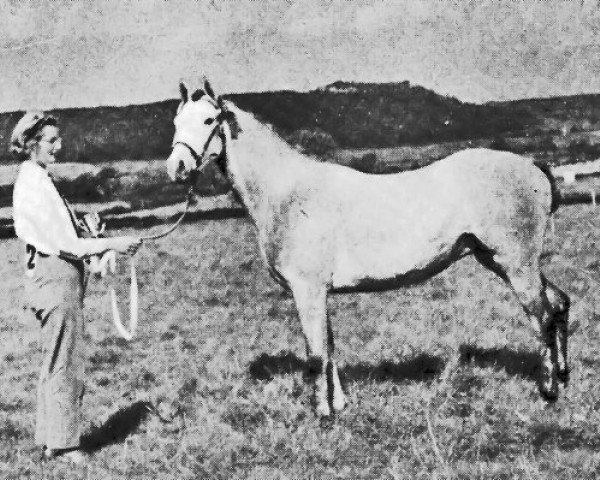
{"x":440,"y":377}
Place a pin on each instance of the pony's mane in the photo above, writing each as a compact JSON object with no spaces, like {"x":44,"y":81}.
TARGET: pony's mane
{"x":262,"y":135}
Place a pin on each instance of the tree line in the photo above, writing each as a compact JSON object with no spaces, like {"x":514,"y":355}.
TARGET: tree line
{"x":339,"y":115}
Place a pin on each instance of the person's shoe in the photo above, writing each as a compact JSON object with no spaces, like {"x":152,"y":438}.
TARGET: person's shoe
{"x":71,"y":455}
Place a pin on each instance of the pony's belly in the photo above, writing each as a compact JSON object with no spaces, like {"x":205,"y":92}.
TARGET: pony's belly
{"x":382,"y":270}
{"x":373,"y":280}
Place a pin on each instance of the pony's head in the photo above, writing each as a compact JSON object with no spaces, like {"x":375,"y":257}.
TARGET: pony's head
{"x":198,"y":130}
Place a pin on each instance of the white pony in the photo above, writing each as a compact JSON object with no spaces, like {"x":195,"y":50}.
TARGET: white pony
{"x":325,"y":228}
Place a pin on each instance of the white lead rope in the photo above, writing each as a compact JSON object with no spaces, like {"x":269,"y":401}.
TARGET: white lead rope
{"x":128,"y":334}
{"x":133,"y":306}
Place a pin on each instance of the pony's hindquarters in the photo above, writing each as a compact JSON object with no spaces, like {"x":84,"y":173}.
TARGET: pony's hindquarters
{"x":510,"y":236}
{"x":509,"y":206}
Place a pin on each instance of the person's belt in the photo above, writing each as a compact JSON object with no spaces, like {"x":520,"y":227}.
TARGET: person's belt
{"x":29,"y":248}
{"x":66,"y":256}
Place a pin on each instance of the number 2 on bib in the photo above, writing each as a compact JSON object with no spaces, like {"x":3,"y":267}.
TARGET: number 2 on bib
{"x":30,"y":259}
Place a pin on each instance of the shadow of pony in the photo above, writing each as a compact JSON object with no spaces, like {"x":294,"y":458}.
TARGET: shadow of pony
{"x":513,"y":362}
{"x":266,"y":366}
{"x":422,"y":367}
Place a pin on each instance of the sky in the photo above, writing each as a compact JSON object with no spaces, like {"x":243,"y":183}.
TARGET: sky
{"x":69,"y":53}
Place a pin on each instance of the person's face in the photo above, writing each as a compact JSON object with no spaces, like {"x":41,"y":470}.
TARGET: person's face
{"x":48,"y":145}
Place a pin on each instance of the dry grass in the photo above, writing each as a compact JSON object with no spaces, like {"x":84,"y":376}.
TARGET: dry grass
{"x":440,"y":376}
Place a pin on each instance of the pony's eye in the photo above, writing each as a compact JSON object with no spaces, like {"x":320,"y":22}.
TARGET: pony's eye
{"x":208,"y":121}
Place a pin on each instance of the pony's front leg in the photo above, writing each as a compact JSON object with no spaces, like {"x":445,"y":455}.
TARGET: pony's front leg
{"x":339,"y":401}
{"x":311,"y":302}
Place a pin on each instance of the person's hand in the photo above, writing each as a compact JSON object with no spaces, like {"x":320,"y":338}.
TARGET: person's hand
{"x":125,"y":244}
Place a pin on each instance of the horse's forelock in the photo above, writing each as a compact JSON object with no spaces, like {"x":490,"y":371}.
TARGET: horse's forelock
{"x":197,"y":95}
{"x":224,"y":115}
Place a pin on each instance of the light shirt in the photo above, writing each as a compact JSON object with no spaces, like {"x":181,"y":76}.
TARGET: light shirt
{"x":41,"y":216}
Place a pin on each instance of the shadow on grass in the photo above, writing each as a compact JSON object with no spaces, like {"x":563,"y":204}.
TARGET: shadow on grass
{"x":117,"y":428}
{"x":265,"y":367}
{"x":513,"y":362}
{"x":420,"y":368}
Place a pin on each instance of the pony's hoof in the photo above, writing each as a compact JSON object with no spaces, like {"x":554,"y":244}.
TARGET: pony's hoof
{"x":327,"y":423}
{"x":323,"y":410}
{"x":339,"y":403}
{"x":549,"y":392}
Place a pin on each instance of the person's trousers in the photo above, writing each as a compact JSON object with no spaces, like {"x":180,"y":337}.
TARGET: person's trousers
{"x":54,"y":294}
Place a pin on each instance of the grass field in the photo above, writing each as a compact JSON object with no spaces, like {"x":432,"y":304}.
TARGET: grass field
{"x":440,"y":377}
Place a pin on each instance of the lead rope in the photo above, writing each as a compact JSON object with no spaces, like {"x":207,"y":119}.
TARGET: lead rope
{"x":133,"y":306}
{"x":128,"y":334}
{"x":188,"y":204}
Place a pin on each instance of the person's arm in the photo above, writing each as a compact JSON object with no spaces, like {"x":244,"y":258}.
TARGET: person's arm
{"x":42,"y":219}
{"x":44,"y":229}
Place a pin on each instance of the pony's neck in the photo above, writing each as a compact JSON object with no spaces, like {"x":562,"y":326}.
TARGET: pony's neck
{"x":268,"y":164}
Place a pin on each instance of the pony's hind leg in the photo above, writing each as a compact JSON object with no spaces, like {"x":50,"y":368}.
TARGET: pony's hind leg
{"x":551,"y":310}
{"x":559,"y":303}
{"x":547,"y":308}
{"x":311,"y":303}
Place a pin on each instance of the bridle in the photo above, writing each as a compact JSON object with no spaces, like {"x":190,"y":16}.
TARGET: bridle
{"x":219,"y":119}
{"x":194,"y":172}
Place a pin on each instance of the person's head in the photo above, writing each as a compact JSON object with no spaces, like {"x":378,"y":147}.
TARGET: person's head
{"x":36,"y":137}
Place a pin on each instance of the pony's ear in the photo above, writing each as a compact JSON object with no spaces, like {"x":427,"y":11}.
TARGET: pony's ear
{"x":209,"y":89}
{"x":220,"y":101}
{"x":197,"y":95}
{"x":184,"y":92}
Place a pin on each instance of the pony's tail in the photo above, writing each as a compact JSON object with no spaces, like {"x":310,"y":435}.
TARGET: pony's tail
{"x":556,"y":197}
